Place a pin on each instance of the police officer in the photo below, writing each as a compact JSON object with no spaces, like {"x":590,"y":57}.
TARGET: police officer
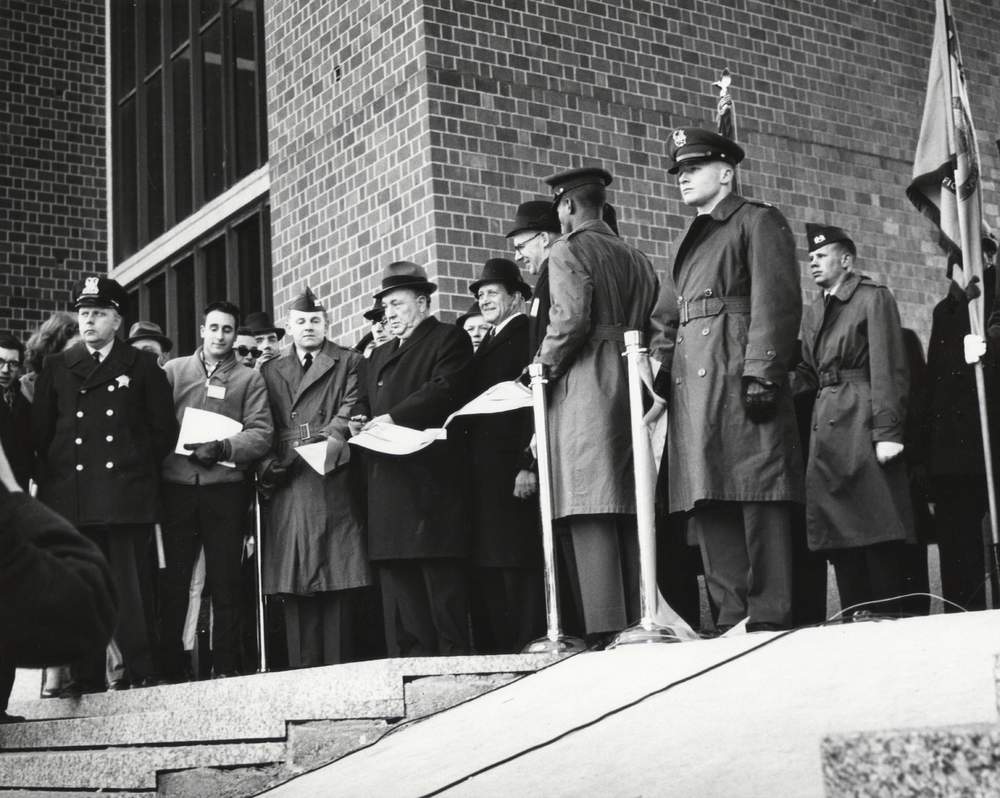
{"x":103,"y":421}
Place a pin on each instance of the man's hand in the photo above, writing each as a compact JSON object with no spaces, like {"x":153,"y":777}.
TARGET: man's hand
{"x":356,"y":423}
{"x":972,"y":290}
{"x":525,"y":484}
{"x":886,"y":450}
{"x":760,"y":398}
{"x":209,"y":453}
{"x":385,"y":418}
{"x":975,"y":348}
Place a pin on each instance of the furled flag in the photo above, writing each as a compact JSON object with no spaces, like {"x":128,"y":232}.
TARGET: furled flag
{"x":946,"y":179}
{"x":726,"y":115}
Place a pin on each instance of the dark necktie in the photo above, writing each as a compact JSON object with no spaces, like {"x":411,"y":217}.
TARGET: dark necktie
{"x":97,"y":357}
{"x":307,"y":361}
{"x":488,"y":337}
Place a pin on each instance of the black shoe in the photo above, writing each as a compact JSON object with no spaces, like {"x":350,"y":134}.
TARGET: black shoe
{"x":119,"y":684}
{"x":149,"y":681}
{"x":6,"y":718}
{"x":51,"y":692}
{"x":77,"y":688}
{"x":225,"y":674}
{"x":766,"y":626}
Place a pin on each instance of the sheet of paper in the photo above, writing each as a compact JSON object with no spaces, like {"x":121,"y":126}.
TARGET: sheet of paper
{"x":395,"y":439}
{"x":318,"y":456}
{"x":201,"y":426}
{"x":499,"y":398}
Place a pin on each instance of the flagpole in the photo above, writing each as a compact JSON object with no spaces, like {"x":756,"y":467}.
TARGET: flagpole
{"x":726,"y":116}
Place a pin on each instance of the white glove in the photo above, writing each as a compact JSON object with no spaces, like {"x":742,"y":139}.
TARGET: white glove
{"x":975,"y":348}
{"x":886,"y":450}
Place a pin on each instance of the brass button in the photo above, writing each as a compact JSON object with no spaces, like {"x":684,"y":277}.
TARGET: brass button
{"x":702,"y":372}
{"x":78,"y":441}
{"x":677,"y":381}
{"x":680,"y":339}
{"x":109,"y":464}
{"x":109,"y":438}
{"x":110,"y":412}
{"x":79,"y":466}
{"x":79,"y":414}
{"x":705,"y":330}
{"x":111,"y":387}
{"x":380,"y":383}
{"x":708,"y":292}
{"x":83,"y":390}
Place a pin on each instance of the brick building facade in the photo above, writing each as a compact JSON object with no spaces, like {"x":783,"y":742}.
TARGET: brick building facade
{"x":411,"y":129}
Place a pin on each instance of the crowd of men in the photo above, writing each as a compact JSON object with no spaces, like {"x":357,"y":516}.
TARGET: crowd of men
{"x":793,"y":438}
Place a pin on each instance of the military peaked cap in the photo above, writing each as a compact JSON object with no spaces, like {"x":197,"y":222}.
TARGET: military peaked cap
{"x":697,"y":144}
{"x":565,"y":182}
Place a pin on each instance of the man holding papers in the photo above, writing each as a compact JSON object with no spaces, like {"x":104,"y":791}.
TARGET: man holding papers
{"x":205,"y":488}
{"x":314,"y":549}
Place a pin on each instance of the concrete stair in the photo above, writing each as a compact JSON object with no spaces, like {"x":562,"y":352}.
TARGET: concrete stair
{"x":230,"y":737}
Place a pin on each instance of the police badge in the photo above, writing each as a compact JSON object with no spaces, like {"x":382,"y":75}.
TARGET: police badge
{"x":680,"y":138}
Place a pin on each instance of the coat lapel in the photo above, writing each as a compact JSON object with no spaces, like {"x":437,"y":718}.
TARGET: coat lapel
{"x":323,"y":361}
{"x":423,"y":329}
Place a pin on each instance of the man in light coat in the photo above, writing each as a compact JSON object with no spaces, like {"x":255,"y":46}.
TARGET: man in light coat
{"x":858,"y":507}
{"x":726,"y":326}
{"x":314,"y":550}
{"x":206,"y":493}
{"x":600,"y":287}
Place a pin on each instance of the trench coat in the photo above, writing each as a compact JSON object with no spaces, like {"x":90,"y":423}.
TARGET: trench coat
{"x":852,"y":500}
{"x":102,"y":432}
{"x":415,"y":508}
{"x":315,"y":536}
{"x":505,"y":529}
{"x":729,"y":310}
{"x":599,"y":287}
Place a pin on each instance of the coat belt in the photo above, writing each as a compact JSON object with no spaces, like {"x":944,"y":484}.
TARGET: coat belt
{"x":691,"y":309}
{"x":300,"y":435}
{"x":835,"y":376}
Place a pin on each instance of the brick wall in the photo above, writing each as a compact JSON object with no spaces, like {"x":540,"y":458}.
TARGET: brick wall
{"x":53,"y":220}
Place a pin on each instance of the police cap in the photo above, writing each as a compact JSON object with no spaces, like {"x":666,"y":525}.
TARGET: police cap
{"x":697,"y":144}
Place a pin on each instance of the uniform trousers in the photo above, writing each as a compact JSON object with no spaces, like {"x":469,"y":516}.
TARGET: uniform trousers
{"x":958,"y":526}
{"x":870,"y":574}
{"x":508,"y":608}
{"x":319,"y":628}
{"x":604,"y":570}
{"x":209,"y":516}
{"x":746,"y":549}
{"x":126,"y":548}
{"x":425,"y":603}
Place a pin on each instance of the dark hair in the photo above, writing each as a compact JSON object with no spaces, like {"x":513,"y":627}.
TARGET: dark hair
{"x":591,"y":196}
{"x":51,"y":337}
{"x":8,"y":341}
{"x":223,"y":307}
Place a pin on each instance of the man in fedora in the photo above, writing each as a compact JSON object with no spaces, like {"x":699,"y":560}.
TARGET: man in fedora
{"x":600,"y":287}
{"x":148,"y":336}
{"x":314,"y":554}
{"x":535,"y":229}
{"x":417,"y":535}
{"x":507,"y":586}
{"x":103,"y":420}
{"x":266,"y":335}
{"x":377,"y":333}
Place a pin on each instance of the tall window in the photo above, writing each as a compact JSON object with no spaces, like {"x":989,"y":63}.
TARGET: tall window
{"x":188,"y":109}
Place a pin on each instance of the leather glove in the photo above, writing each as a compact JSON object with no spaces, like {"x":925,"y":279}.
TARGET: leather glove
{"x":975,"y":348}
{"x":886,"y":450}
{"x":760,"y":399}
{"x":209,"y":453}
{"x":972,"y":290}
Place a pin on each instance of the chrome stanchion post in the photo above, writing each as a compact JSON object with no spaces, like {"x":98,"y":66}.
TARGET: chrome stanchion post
{"x":554,"y":641}
{"x":259,"y":556}
{"x":647,"y":630}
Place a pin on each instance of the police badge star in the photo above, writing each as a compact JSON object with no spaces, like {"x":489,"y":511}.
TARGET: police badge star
{"x":680,"y":138}
{"x":90,"y":286}
{"x":123,"y":381}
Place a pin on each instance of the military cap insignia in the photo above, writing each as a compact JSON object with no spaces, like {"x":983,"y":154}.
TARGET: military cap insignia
{"x":123,"y":380}
{"x":819,"y":239}
{"x":90,"y":286}
{"x":680,"y":138}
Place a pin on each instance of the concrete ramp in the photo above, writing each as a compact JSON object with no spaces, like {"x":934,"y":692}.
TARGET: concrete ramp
{"x":759,"y":715}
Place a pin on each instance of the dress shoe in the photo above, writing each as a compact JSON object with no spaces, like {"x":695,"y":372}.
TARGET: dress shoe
{"x":119,"y":684}
{"x":51,"y":692}
{"x":766,"y":626}
{"x":149,"y":681}
{"x":225,"y":674}
{"x":7,"y":718}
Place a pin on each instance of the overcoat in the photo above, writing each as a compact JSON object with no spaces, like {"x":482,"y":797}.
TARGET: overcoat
{"x":730,"y":309}
{"x":15,"y":433}
{"x":101,"y":431}
{"x":852,"y":500}
{"x":538,"y":310}
{"x":314,"y":539}
{"x":414,"y":502}
{"x":505,"y":528}
{"x":600,"y":287}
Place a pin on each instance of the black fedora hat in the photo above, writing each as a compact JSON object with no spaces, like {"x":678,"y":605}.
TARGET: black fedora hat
{"x":501,"y":270}
{"x":405,"y":274}
{"x":375,"y":313}
{"x":474,"y":310}
{"x":535,"y":216}
{"x":259,"y":323}
{"x":149,"y":331}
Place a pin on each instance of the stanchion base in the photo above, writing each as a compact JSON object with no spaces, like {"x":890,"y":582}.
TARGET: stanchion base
{"x":563,"y":644}
{"x":654,"y":633}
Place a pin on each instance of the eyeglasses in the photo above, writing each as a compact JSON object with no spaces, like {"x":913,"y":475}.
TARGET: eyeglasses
{"x":10,"y":364}
{"x":242,"y":351}
{"x":519,"y":248}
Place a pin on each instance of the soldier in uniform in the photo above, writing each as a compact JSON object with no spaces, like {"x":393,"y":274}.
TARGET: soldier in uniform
{"x":103,"y":420}
{"x":314,"y":550}
{"x":858,"y":506}
{"x":600,"y":287}
{"x":726,"y":327}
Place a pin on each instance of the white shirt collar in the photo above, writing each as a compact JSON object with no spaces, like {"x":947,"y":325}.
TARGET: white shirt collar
{"x":104,"y":350}
{"x":505,"y":322}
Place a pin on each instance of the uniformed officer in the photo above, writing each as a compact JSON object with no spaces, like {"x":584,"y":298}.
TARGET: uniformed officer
{"x":103,"y":421}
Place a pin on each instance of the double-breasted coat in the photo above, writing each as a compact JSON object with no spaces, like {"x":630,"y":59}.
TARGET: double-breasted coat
{"x":505,"y":528}
{"x":600,"y":287}
{"x":729,"y":310}
{"x":315,"y":537}
{"x":101,"y":431}
{"x":15,"y":433}
{"x":414,"y":501}
{"x":853,"y":353}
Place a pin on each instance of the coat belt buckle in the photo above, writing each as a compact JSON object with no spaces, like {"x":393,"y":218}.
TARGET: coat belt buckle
{"x":304,"y":432}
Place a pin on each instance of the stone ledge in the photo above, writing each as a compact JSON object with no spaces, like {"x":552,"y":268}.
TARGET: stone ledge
{"x":952,"y":760}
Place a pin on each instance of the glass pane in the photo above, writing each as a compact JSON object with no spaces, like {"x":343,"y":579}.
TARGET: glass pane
{"x":245,"y":50}
{"x":180,"y":23}
{"x":126,"y":219}
{"x":215,"y":270}
{"x":123,"y":52}
{"x":208,"y":8}
{"x":187,"y":314}
{"x":248,"y":252}
{"x":158,"y":300}
{"x":212,"y":111}
{"x":154,"y":155}
{"x":183,"y":184}
{"x":154,"y":29}
{"x":131,"y":314}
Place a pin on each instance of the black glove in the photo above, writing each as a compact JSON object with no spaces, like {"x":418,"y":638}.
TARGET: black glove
{"x":760,"y":399}
{"x":278,"y":471}
{"x":209,"y":453}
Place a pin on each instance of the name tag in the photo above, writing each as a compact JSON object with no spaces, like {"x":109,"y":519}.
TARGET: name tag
{"x":534,"y":307}
{"x":216,"y":392}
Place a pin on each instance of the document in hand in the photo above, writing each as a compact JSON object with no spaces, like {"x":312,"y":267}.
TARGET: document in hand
{"x":499,"y":398}
{"x":320,"y":457}
{"x":202,"y":426}
{"x":394,"y":439}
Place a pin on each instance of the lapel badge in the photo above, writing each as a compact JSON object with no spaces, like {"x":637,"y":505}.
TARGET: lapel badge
{"x":680,"y":138}
{"x":90,"y":286}
{"x":123,"y":380}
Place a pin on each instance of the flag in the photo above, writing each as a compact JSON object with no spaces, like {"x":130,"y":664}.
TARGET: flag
{"x":946,"y":178}
{"x":726,"y":115}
